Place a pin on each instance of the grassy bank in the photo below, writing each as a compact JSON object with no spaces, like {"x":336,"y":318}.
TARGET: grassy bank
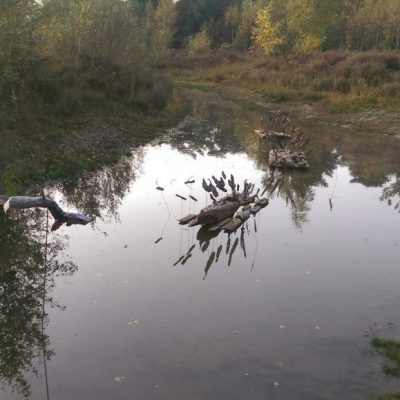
{"x":338,"y":80}
{"x":53,"y":147}
{"x":390,"y":350}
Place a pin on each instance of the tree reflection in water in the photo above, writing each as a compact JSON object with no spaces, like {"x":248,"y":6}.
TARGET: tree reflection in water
{"x":100,"y":194}
{"x":294,"y":190}
{"x":30,"y":263}
{"x":391,"y":193}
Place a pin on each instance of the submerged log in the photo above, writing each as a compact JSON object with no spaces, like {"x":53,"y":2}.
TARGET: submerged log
{"x":60,"y":216}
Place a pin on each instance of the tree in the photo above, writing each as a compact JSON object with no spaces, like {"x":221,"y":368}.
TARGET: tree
{"x":265,"y":34}
{"x":200,"y":43}
{"x":232,"y":19}
{"x":164,"y":24}
{"x":248,"y":13}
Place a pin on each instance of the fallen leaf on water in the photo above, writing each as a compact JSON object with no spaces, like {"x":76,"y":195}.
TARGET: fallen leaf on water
{"x":118,"y":379}
{"x":134,"y":322}
{"x":282,"y":326}
{"x":276,"y":384}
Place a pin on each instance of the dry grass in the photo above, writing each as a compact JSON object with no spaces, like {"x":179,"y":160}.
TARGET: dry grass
{"x":371,"y":77}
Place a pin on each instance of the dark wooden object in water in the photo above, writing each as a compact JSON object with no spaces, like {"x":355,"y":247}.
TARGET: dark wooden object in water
{"x":60,"y":216}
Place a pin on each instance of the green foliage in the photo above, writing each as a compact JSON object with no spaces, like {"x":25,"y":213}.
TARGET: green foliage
{"x":53,"y":51}
{"x":305,"y":25}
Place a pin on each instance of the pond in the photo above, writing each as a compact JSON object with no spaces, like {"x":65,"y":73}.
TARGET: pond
{"x":105,"y":311}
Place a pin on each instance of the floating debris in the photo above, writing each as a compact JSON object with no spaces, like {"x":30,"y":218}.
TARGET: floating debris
{"x":191,"y":249}
{"x":186,"y":258}
{"x":179,"y":260}
{"x":229,"y":212}
{"x":181,"y":197}
{"x":287,"y":149}
{"x":288,"y":159}
{"x":193,"y":198}
{"x":160,"y":188}
{"x":158,"y":240}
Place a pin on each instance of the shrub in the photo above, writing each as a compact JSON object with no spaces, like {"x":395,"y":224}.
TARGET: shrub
{"x":69,"y":102}
{"x":200,"y":43}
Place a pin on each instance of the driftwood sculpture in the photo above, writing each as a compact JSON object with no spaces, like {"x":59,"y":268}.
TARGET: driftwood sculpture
{"x":60,"y":216}
{"x":288,"y":150}
{"x":224,"y":213}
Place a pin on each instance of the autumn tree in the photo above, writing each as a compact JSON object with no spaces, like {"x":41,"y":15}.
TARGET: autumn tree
{"x":265,"y":34}
{"x":164,"y":24}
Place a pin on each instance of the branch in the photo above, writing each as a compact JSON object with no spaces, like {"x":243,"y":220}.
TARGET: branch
{"x":60,"y":216}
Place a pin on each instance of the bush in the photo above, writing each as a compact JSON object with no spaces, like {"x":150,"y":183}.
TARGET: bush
{"x":200,"y":43}
{"x":69,"y":103}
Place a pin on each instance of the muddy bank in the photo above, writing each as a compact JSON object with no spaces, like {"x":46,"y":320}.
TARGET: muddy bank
{"x":374,"y":120}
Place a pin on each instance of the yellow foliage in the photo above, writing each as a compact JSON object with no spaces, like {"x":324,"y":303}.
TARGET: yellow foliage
{"x":308,"y":43}
{"x":265,"y":34}
{"x":200,"y":43}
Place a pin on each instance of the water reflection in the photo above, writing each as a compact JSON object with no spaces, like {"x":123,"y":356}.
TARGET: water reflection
{"x":218,"y":247}
{"x":141,"y":280}
{"x":391,"y":193}
{"x":30,"y":262}
{"x":100,"y":194}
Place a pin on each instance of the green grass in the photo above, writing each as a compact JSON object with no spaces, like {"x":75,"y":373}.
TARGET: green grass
{"x":389,"y":348}
{"x":389,"y":396}
{"x":62,"y":148}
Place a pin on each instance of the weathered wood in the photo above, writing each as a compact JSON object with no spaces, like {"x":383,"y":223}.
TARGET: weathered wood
{"x":218,"y":212}
{"x":288,"y":159}
{"x":233,"y":225}
{"x":60,"y":216}
{"x":243,"y":215}
{"x":187,"y":219}
{"x":262,"y":202}
{"x":219,"y":225}
{"x":254,"y":210}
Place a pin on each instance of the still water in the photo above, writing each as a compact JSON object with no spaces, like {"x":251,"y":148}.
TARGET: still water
{"x":285,"y":313}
